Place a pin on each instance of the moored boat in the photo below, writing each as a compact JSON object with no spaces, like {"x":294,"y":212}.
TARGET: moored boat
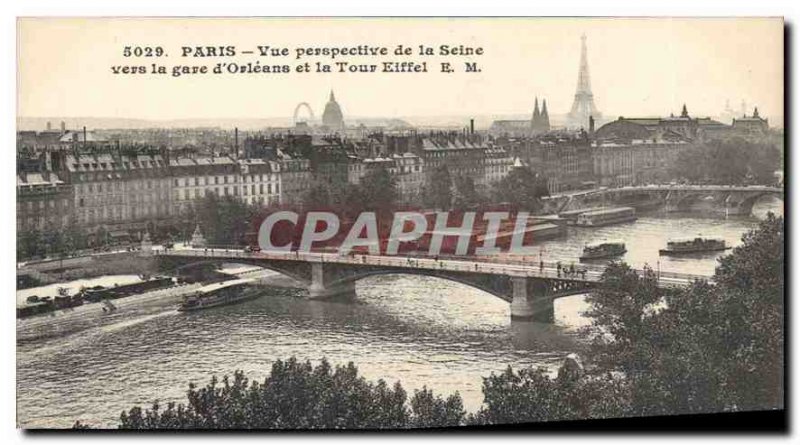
{"x":603,"y":250}
{"x":697,"y":244}
{"x":604,"y":217}
{"x":220,"y":294}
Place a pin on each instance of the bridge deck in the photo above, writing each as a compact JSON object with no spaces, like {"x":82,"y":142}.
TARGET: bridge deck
{"x":701,"y":188}
{"x":669,"y":188}
{"x":481,"y":265}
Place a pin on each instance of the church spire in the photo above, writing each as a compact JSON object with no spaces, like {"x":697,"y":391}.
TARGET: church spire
{"x":544,"y":117}
{"x":684,"y":112}
{"x":536,"y":109}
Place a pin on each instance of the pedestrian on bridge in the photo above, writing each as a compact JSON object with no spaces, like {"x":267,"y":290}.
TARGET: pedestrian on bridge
{"x":541,"y":266}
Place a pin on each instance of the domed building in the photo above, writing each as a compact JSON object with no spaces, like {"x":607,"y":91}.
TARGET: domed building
{"x":332,"y":116}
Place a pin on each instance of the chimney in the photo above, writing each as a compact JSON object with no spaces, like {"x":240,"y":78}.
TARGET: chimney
{"x":49,"y":126}
{"x":472,"y":126}
{"x":63,"y":127}
{"x":236,"y":142}
{"x":591,"y":124}
{"x":84,"y":137}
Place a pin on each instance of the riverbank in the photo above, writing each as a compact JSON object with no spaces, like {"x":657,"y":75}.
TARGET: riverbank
{"x":64,"y":322}
{"x":121,"y":263}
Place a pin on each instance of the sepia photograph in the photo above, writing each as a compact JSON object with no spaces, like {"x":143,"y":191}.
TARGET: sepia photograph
{"x":399,"y":223}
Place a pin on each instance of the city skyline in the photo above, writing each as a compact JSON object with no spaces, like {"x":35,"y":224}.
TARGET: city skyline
{"x":624,"y":78}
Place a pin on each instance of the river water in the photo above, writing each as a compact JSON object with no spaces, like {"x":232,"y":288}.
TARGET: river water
{"x":421,"y":331}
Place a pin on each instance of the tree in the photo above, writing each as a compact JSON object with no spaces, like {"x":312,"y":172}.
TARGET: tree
{"x":530,"y":395}
{"x":465,"y":195}
{"x":430,"y":411}
{"x":732,"y":161}
{"x":437,"y":191}
{"x":378,"y":190}
{"x":522,"y":188}
{"x":27,"y":242}
{"x":706,"y":348}
{"x":342,"y":196}
{"x":223,"y":220}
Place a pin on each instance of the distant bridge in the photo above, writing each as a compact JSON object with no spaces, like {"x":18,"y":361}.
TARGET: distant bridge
{"x":530,"y":287}
{"x":733,"y":200}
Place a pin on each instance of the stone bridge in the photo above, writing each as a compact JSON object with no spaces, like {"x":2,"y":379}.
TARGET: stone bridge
{"x":530,"y":288}
{"x":732,"y":200}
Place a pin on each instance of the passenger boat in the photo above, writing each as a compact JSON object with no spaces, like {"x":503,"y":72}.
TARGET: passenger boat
{"x":220,"y":294}
{"x":603,"y":250}
{"x":604,"y":217}
{"x":693,"y":245}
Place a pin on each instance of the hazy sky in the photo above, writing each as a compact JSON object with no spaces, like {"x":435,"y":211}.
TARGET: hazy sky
{"x":638,"y":67}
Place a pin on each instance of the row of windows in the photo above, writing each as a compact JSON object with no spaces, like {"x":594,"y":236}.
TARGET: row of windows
{"x":120,"y":199}
{"x":51,"y":204}
{"x":117,"y":186}
{"x":117,"y":213}
{"x":83,"y":177}
{"x":207,"y":180}
{"x":41,"y":222}
{"x":227,"y":191}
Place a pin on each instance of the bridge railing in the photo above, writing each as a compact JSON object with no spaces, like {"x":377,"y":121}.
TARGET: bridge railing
{"x":525,"y":266}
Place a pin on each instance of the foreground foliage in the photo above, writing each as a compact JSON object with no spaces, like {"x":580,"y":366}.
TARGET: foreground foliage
{"x":706,"y":348}
{"x":299,"y":395}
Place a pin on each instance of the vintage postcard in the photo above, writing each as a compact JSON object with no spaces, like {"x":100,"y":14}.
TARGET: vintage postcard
{"x":398,"y":223}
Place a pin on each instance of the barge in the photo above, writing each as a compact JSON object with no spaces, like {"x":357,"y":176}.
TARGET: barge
{"x":697,"y":244}
{"x":604,"y":217}
{"x":603,"y":250}
{"x":220,"y":294}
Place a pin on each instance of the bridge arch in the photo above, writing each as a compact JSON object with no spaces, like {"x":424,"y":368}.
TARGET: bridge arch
{"x":499,"y":286}
{"x":687,"y":200}
{"x":298,"y":108}
{"x":746,"y":205}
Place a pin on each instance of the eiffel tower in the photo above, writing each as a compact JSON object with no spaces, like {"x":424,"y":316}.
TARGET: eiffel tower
{"x":583,"y":107}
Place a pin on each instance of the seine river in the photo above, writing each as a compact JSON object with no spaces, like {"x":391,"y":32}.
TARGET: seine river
{"x":418,"y":330}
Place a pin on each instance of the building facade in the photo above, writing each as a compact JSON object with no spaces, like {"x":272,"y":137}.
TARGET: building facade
{"x":44,"y":202}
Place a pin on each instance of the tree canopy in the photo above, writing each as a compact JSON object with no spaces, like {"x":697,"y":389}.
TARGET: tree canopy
{"x":223,"y":220}
{"x":376,"y":190}
{"x":733,"y":161}
{"x":299,"y":395}
{"x":438,"y":189}
{"x":706,"y":348}
{"x":521,"y":188}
